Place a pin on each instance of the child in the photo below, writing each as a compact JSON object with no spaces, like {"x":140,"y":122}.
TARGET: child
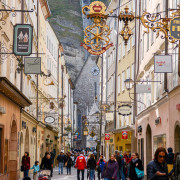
{"x":36,"y":169}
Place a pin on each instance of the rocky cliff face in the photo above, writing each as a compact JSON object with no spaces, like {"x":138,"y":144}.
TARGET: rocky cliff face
{"x":66,"y":20}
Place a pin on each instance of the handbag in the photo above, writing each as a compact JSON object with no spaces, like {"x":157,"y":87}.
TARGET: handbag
{"x":22,"y":168}
{"x":139,"y":173}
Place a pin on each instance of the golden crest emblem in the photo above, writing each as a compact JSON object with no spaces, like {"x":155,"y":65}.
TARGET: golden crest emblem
{"x":97,"y":35}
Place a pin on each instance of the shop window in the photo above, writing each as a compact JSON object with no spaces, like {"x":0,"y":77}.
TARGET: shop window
{"x":159,"y":141}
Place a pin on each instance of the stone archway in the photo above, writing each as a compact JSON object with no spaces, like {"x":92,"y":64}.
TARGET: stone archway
{"x":13,"y":151}
{"x":177,"y":138}
{"x":26,"y":143}
{"x":148,"y":144}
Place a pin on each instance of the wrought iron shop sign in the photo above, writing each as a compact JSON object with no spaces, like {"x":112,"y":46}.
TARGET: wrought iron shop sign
{"x":23,"y":35}
{"x":124,"y":110}
{"x":175,"y":28}
{"x":32,"y":65}
{"x":97,"y":35}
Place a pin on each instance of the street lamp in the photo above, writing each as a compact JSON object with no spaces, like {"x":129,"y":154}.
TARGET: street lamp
{"x":129,"y":83}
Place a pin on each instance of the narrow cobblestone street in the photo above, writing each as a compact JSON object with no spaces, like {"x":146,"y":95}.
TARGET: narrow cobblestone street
{"x":64,"y":176}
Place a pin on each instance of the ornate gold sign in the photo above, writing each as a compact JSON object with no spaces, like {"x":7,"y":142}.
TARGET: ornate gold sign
{"x":97,"y":38}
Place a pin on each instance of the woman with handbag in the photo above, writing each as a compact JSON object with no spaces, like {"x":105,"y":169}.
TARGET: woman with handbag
{"x":25,"y":164}
{"x":157,"y":169}
{"x":91,"y":165}
{"x":68,"y":164}
{"x":136,"y":168}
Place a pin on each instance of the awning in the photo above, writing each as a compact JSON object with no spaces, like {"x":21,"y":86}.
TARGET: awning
{"x":13,"y":93}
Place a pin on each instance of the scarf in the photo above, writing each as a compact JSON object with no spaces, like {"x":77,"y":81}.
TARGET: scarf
{"x":134,"y":160}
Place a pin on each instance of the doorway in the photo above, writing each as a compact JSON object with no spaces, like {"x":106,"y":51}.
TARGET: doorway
{"x":177,"y":138}
{"x":148,"y":144}
{"x":13,"y":151}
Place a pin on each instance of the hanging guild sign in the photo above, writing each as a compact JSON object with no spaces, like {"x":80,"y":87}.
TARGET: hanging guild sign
{"x":124,"y":134}
{"x":124,"y":110}
{"x":49,"y":119}
{"x":163,"y":64}
{"x":107,"y":137}
{"x":175,"y":28}
{"x":32,"y":65}
{"x":97,"y":35}
{"x":23,"y":35}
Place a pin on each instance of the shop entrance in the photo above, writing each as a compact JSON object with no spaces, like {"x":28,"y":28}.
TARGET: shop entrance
{"x":13,"y":151}
{"x":148,"y":144}
{"x":177,"y":138}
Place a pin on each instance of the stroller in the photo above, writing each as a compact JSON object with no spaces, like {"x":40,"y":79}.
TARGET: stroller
{"x":44,"y":175}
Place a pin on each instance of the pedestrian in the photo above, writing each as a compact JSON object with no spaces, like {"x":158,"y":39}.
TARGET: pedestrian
{"x":52,"y":159}
{"x":174,"y":172}
{"x":169,"y":159}
{"x":119,"y":161}
{"x":61,"y":159}
{"x":46,"y":162}
{"x":26,"y":164}
{"x":69,"y":163}
{"x":91,"y":165}
{"x":157,"y":168}
{"x":110,"y":169}
{"x":122,"y":168}
{"x":135,"y":163}
{"x":80,"y":165}
{"x":36,"y":169}
{"x":100,"y":166}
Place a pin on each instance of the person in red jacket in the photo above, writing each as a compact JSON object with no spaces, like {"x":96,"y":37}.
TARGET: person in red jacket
{"x":26,"y":164}
{"x":80,"y":165}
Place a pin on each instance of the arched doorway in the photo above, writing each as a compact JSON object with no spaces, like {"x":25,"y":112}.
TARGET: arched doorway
{"x":13,"y":151}
{"x":148,"y":144}
{"x":177,"y":139}
{"x":26,"y":143}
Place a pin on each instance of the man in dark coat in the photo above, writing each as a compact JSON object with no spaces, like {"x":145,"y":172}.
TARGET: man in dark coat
{"x":47,"y":162}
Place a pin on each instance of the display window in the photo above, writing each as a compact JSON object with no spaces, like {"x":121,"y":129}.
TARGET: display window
{"x":159,"y":141}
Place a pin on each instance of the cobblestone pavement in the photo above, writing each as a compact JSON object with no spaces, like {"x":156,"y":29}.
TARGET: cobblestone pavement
{"x":64,"y":176}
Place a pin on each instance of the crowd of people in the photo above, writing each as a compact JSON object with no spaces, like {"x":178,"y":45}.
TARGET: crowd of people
{"x":164,"y":166}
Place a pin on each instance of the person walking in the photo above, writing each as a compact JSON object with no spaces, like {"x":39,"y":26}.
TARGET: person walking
{"x":135,"y":163}
{"x":36,"y":169}
{"x":174,"y":172}
{"x":169,"y":159}
{"x":80,"y":165}
{"x":91,"y":164}
{"x":26,"y":164}
{"x":46,"y":162}
{"x":69,"y":163}
{"x":110,"y":169}
{"x":157,"y":168}
{"x":119,"y":161}
{"x":100,"y":166}
{"x":60,"y":159}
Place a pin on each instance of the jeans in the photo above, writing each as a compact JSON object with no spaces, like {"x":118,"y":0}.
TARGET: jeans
{"x":35,"y":175}
{"x":108,"y":179}
{"x":26,"y":172}
{"x":92,"y":173}
{"x":61,"y":164}
{"x":118,"y":175}
{"x":78,"y":174}
{"x":122,"y":173}
{"x":68,"y":169}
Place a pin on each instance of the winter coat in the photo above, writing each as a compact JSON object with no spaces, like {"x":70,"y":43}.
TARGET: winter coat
{"x":170,"y":158}
{"x":119,"y":161}
{"x":110,"y":170}
{"x":132,"y":172}
{"x":60,"y":158}
{"x":46,"y":163}
{"x":26,"y":162}
{"x":80,"y":163}
{"x":69,"y":162}
{"x":91,"y":164}
{"x":153,"y":167}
